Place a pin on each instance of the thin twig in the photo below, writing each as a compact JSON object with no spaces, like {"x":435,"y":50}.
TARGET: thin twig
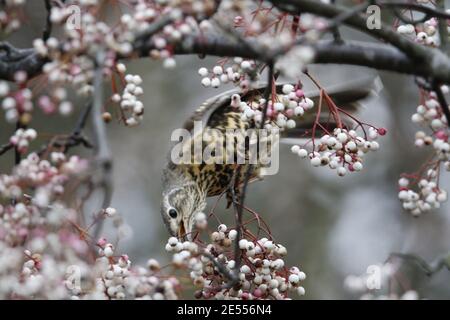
{"x":75,"y":138}
{"x":427,"y":10}
{"x":6,"y":147}
{"x":442,"y":26}
{"x":17,"y":154}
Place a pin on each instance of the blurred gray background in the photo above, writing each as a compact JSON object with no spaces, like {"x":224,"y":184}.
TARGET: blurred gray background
{"x":331,"y":226}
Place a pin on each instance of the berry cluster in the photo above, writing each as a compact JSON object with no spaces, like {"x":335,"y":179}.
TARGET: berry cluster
{"x":240,"y":72}
{"x":44,"y":252}
{"x":421,"y":192}
{"x":10,"y":14}
{"x":428,"y":197}
{"x":17,"y":105}
{"x":281,"y":112}
{"x":425,"y":33}
{"x":376,"y":284}
{"x":132,"y":108}
{"x":342,"y":150}
{"x":56,"y":101}
{"x":261,"y":275}
{"x":22,"y":138}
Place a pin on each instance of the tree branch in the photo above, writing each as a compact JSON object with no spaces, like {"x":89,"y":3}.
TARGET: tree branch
{"x":356,"y":21}
{"x":442,"y":102}
{"x":48,"y":23}
{"x":13,"y":60}
{"x":103,"y":153}
{"x":427,"y":10}
{"x":248,"y":173}
{"x":428,"y":268}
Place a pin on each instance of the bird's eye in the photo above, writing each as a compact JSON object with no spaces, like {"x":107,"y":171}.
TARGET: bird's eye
{"x":173,"y":213}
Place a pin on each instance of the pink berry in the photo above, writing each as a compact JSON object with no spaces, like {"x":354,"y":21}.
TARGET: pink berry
{"x":257,"y":293}
{"x":382,"y":131}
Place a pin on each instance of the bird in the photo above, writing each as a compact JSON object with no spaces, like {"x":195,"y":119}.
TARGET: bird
{"x":186,"y":186}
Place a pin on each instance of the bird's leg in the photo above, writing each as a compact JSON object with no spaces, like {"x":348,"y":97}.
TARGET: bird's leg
{"x":233,"y":194}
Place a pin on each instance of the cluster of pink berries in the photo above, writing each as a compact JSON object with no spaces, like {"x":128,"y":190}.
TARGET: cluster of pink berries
{"x":39,"y":174}
{"x":423,"y":194}
{"x":261,"y":275}
{"x":343,"y":150}
{"x":240,"y":72}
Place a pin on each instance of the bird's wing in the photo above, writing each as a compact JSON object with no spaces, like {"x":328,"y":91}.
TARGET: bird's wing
{"x":346,"y":96}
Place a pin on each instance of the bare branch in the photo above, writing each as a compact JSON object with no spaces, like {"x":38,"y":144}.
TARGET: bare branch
{"x":442,"y":102}
{"x":442,"y":25}
{"x":103,"y":156}
{"x":4,"y":148}
{"x":248,"y":173}
{"x":13,"y":60}
{"x":48,"y":22}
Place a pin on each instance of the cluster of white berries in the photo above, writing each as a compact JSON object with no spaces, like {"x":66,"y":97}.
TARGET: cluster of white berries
{"x":342,"y":150}
{"x":32,"y":264}
{"x":262,"y":275}
{"x":290,"y":103}
{"x":147,"y":283}
{"x":56,"y":101}
{"x":46,"y":179}
{"x":428,"y":194}
{"x":431,"y":115}
{"x":10,"y":14}
{"x":425,"y":33}
{"x":115,"y":271}
{"x":22,"y":138}
{"x":369,"y":287}
{"x":15,"y":103}
{"x":132,"y":107}
{"x":241,"y":73}
{"x":71,"y":56}
{"x":428,"y":197}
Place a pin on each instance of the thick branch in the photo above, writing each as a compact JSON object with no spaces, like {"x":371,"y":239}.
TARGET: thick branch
{"x":376,"y":56}
{"x":13,"y":60}
{"x":356,"y":21}
{"x":427,"y":10}
{"x":103,"y":153}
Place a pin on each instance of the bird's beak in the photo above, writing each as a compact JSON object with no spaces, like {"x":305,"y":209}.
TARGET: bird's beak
{"x":182,"y":230}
